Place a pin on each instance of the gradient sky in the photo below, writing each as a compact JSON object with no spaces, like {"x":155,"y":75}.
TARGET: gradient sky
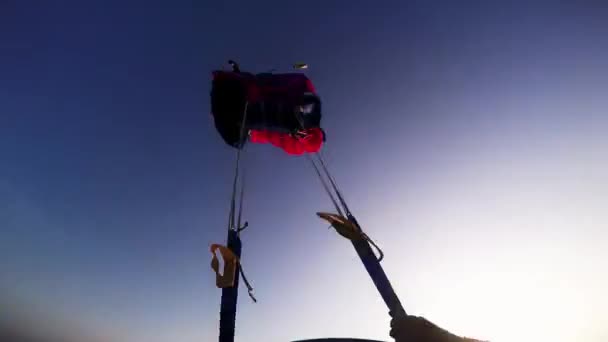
{"x":469,"y":138}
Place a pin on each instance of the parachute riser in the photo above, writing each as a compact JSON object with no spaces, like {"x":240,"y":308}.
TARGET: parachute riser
{"x":230,"y":294}
{"x":376,"y":272}
{"x":349,"y":228}
{"x":228,"y":304}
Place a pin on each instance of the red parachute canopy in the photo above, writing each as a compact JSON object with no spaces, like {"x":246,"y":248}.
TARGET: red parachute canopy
{"x":282,"y":110}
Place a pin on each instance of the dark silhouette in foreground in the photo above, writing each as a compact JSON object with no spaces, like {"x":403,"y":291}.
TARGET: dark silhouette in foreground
{"x":418,"y":329}
{"x":408,"y":329}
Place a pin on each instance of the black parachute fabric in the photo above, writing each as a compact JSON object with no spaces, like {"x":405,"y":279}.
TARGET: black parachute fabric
{"x":284,"y":103}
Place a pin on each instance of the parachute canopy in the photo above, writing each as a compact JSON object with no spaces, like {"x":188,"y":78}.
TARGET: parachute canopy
{"x":280,"y":109}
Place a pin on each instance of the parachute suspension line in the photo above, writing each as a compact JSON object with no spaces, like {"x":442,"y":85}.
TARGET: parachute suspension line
{"x":241,"y":196}
{"x":347,"y":211}
{"x":333,"y":183}
{"x":232,"y":224}
{"x":231,"y":216}
{"x":228,"y":305}
{"x":325,"y":186}
{"x":348,"y":227}
{"x":323,"y":182}
{"x":239,"y":228}
{"x":338,"y":193}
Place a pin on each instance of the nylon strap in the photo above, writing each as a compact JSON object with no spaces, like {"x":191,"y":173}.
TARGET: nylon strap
{"x":234,"y":219}
{"x":232,"y":215}
{"x":340,"y":198}
{"x":325,"y":186}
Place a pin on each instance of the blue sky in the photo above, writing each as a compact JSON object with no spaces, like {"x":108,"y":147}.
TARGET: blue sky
{"x":469,"y":139}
